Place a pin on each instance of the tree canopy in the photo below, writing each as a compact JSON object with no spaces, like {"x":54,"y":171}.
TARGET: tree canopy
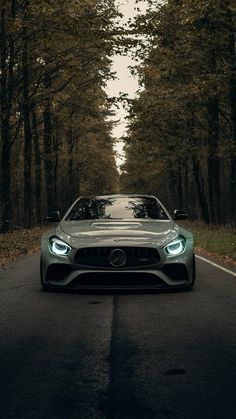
{"x":181,"y":142}
{"x":56,"y":142}
{"x":55,"y":132}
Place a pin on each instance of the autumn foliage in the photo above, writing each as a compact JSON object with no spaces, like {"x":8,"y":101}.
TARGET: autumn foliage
{"x":181,"y":143}
{"x":56,"y":140}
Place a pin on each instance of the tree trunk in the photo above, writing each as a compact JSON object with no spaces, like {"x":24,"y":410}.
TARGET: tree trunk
{"x":70,"y":148}
{"x":37,"y":169}
{"x":55,"y":167}
{"x":28,"y":202}
{"x":200,"y":190}
{"x":186,"y":183}
{"x":5,"y":129}
{"x":49,"y":150}
{"x":233,"y":118}
{"x":179,"y":186}
{"x":213,"y":163}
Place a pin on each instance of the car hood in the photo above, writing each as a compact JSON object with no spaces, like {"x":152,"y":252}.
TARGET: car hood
{"x":104,"y":231}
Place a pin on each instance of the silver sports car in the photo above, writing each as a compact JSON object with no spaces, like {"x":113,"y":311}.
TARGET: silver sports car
{"x":117,"y":242}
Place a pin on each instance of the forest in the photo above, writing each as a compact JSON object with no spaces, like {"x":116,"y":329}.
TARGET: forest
{"x":56,"y":132}
{"x":181,"y":142}
{"x":56,"y":138}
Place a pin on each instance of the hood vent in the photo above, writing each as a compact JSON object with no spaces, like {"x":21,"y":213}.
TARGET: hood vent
{"x":116,"y":224}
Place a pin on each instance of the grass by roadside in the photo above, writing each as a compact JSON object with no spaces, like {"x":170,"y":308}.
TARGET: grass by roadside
{"x":19,"y":243}
{"x":214,"y":241}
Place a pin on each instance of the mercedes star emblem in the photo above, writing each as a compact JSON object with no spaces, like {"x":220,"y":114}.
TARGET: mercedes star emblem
{"x":117,"y":258}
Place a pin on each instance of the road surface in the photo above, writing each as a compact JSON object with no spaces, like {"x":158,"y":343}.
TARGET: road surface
{"x":122,"y":356}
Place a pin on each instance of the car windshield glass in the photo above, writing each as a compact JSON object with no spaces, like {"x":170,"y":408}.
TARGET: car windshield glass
{"x":117,"y":208}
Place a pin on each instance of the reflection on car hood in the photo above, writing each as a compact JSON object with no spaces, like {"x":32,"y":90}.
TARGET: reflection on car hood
{"x":113,"y":229}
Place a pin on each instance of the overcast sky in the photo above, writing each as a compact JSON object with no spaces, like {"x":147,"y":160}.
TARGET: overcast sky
{"x":125,"y":82}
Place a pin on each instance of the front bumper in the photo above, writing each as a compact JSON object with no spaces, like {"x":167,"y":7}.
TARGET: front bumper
{"x":169,"y":272}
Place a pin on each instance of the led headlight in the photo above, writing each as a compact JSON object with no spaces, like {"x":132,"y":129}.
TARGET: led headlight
{"x":176,"y":247}
{"x":58,"y":247}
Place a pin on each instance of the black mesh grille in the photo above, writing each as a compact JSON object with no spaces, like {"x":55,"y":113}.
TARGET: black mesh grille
{"x":100,"y":257}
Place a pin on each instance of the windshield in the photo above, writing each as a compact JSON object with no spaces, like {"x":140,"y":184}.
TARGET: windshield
{"x":117,"y":208}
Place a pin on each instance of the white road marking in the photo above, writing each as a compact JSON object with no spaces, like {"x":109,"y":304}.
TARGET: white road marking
{"x":217,"y":266}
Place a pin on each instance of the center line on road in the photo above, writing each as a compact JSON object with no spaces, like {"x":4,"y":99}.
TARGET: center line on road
{"x":217,"y":266}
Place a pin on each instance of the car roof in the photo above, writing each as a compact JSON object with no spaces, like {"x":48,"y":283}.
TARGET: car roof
{"x":130,"y":195}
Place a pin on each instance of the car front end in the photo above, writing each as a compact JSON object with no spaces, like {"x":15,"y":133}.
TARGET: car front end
{"x":140,"y":254}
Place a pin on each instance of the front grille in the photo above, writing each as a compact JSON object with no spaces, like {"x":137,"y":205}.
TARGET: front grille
{"x":100,"y":257}
{"x":116,"y":279}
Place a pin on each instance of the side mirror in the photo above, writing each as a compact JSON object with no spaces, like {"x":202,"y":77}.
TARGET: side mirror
{"x":54,"y":217}
{"x":180,"y":215}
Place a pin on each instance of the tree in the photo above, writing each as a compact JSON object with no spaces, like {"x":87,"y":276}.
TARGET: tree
{"x":55,"y":60}
{"x":182,"y":121}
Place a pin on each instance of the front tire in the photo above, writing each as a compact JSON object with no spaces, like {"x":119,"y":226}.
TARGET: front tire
{"x":43,"y":286}
{"x":193,"y":273}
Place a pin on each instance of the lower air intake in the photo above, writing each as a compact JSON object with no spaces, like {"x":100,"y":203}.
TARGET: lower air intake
{"x":176,"y":271}
{"x":117,"y":279}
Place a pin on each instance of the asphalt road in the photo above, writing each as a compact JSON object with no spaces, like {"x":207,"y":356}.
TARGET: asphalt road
{"x":105,"y":356}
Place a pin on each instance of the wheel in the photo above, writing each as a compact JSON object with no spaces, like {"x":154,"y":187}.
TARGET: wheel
{"x":44,"y":287}
{"x":194,"y":273}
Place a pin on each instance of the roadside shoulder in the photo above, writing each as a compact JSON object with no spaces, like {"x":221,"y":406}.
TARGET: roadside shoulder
{"x":19,"y":243}
{"x":223,"y":261}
